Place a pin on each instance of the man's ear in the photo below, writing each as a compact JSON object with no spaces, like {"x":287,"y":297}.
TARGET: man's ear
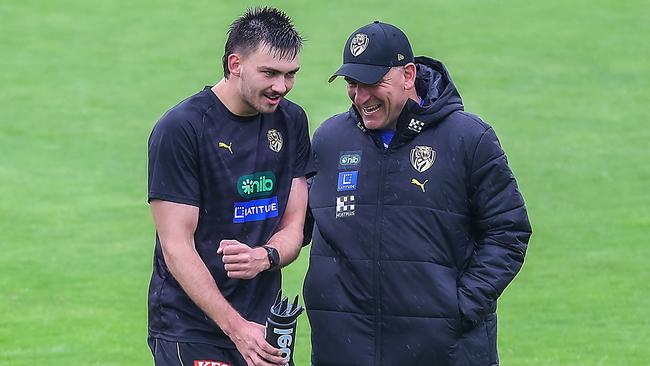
{"x":410,"y":72}
{"x":234,"y":64}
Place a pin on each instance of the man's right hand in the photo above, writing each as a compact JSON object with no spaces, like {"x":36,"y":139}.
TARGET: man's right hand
{"x":241,"y":261}
{"x":250,"y":342}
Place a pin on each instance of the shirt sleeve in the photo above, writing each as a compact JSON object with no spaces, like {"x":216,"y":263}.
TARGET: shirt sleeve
{"x":173,"y":162}
{"x":303,"y":163}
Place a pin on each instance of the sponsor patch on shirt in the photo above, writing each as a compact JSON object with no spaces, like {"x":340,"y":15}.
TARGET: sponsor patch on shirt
{"x":349,"y":159}
{"x":256,"y":185}
{"x":347,"y":181}
{"x":210,"y":363}
{"x":344,"y":206}
{"x":255,"y":210}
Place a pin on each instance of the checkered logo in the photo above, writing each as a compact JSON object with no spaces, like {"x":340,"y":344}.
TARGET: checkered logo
{"x":415,"y":125}
{"x":361,"y":126}
{"x":344,"y":206}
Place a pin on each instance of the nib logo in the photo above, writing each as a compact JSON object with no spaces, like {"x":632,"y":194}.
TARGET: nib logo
{"x":256,"y":184}
{"x":252,"y":187}
{"x":210,"y":363}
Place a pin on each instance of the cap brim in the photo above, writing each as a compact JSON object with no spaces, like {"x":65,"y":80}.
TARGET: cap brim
{"x":365,"y":74}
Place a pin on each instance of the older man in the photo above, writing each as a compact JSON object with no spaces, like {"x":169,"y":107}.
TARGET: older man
{"x":419,"y":224}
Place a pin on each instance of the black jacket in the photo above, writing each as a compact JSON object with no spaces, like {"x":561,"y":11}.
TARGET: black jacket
{"x":411,"y":252}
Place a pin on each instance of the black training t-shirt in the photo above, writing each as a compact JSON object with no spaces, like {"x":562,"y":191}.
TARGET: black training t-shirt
{"x":238,"y":171}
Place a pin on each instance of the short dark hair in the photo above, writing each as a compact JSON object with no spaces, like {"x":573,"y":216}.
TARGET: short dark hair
{"x":265,"y":26}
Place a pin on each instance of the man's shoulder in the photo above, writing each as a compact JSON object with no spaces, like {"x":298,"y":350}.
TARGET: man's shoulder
{"x":466,"y":123}
{"x":187,"y":113}
{"x":336,"y":124}
{"x":192,"y":107}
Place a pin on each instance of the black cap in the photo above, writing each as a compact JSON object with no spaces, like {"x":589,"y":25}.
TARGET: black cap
{"x":372,"y":50}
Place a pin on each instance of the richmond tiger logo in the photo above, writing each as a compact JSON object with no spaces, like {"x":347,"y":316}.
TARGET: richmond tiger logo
{"x":358,"y":44}
{"x":275,"y":140}
{"x":422,"y":158}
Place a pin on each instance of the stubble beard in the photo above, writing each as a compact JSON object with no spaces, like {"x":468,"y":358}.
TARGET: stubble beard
{"x":253,"y":98}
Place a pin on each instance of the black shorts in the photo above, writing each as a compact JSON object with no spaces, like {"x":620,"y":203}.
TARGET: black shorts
{"x":167,"y":353}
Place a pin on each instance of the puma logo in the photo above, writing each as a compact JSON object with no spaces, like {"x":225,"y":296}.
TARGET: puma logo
{"x":417,"y":183}
{"x":228,"y":147}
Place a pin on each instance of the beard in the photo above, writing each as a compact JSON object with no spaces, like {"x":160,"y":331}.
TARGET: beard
{"x":255,"y":99}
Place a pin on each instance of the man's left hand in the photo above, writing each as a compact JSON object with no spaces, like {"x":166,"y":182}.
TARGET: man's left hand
{"x":242,"y":261}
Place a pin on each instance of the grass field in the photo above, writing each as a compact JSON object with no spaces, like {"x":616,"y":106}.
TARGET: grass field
{"x":564,"y":83}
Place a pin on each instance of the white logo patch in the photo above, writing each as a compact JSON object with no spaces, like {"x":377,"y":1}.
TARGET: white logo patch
{"x":422,"y":158}
{"x":415,"y":125}
{"x":358,"y":44}
{"x":344,"y":206}
{"x":275,"y":140}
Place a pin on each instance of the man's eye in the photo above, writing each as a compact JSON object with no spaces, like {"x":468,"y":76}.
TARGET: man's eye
{"x":268,"y":73}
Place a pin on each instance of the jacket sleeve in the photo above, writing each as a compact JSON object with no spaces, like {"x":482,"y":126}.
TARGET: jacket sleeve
{"x":501,"y":231}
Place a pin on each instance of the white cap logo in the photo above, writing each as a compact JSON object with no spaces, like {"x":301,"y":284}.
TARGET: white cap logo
{"x":358,"y":44}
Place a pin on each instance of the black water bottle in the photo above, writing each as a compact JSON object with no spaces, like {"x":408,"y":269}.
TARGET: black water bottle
{"x":281,"y":325}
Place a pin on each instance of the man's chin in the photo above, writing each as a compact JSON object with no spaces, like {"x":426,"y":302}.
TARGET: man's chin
{"x":268,"y":108}
{"x":373,"y":124}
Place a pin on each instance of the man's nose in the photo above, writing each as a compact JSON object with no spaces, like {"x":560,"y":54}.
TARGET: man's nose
{"x":279,"y":85}
{"x":361,"y":95}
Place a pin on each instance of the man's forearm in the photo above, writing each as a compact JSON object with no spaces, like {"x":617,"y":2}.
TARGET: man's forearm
{"x":288,"y":242}
{"x":288,"y":238}
{"x":189,"y":270}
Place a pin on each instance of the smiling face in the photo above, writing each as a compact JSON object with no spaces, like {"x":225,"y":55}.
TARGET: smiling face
{"x":380,"y":104}
{"x":265,"y":79}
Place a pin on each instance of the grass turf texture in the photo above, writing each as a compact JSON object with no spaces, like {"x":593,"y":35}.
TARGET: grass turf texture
{"x":82,"y":83}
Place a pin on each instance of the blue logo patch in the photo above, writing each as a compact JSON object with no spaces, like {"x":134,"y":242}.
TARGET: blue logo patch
{"x":347,"y":181}
{"x":349,"y":159}
{"x":256,"y":210}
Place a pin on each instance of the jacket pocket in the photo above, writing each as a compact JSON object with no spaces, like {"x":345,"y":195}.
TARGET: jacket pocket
{"x":477,"y":346}
{"x":491,"y":324}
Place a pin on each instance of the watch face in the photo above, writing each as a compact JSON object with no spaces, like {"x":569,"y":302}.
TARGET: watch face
{"x":274,"y":257}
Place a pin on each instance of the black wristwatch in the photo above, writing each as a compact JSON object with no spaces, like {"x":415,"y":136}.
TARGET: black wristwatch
{"x":274,"y":257}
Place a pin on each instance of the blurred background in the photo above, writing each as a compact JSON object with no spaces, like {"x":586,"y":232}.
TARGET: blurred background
{"x":81,"y":84}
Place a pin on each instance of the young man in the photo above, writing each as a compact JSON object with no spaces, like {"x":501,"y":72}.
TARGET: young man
{"x":228,"y":195}
{"x":419,"y":225}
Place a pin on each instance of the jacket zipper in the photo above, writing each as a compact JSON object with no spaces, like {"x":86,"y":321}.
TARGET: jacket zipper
{"x":376,"y":258}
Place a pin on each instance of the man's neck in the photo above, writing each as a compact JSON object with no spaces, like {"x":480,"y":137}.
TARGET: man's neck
{"x":413,"y":94}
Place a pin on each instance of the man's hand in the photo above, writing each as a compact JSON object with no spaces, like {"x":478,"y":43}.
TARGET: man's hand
{"x":242,"y":261}
{"x":249,"y":340}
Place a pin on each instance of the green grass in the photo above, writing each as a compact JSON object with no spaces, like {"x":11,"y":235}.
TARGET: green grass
{"x":565,"y":84}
